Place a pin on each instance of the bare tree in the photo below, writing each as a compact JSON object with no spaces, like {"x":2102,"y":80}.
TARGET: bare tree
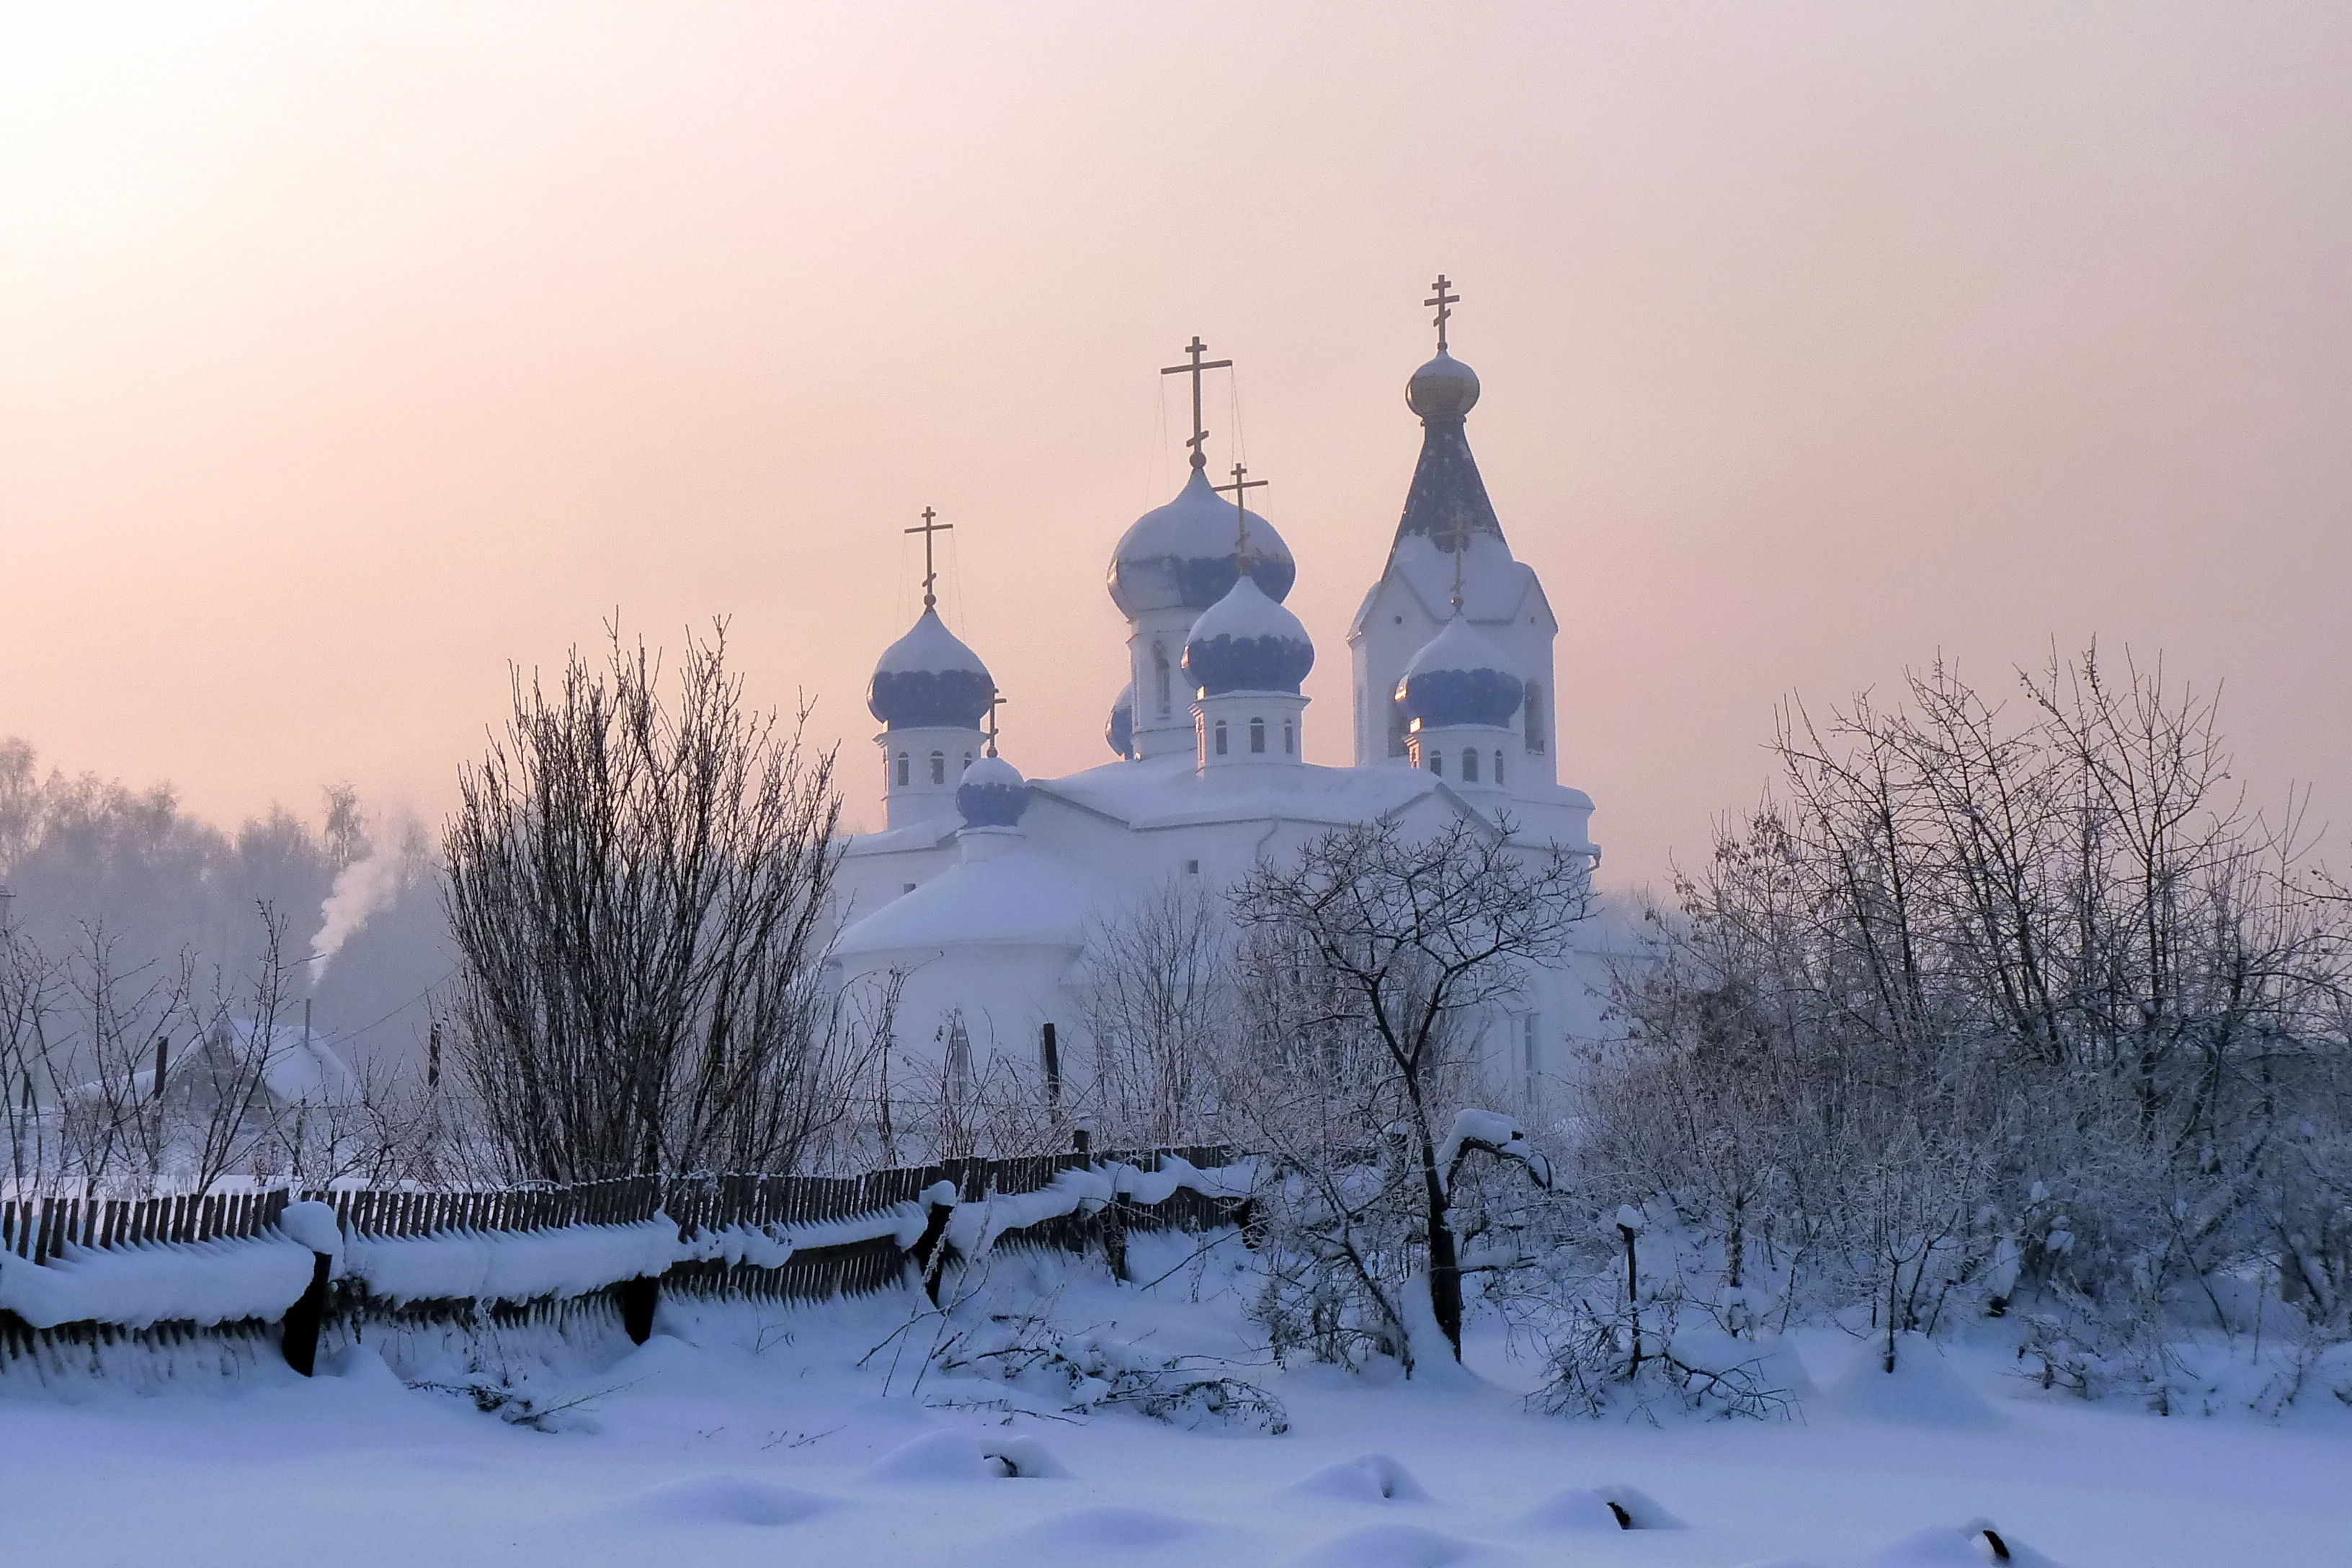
{"x":1156,"y":1000}
{"x":1398,"y":946}
{"x":640,"y":887}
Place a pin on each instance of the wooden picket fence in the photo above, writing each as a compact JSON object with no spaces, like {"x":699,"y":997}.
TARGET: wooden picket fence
{"x":39,"y":1228}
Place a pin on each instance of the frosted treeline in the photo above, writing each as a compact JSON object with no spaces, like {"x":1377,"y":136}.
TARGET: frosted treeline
{"x":158,"y":974}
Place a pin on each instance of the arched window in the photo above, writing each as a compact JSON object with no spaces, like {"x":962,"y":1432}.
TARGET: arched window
{"x":1533,"y":726}
{"x":1437,"y":762}
{"x":1289,"y":733}
{"x":967,"y":761}
{"x":1498,"y":770}
{"x":1469,"y":765}
{"x":902,"y":767}
{"x":1398,"y":729}
{"x":1159,"y":676}
{"x":1220,"y":738}
{"x":1258,"y":734}
{"x":939,"y":767}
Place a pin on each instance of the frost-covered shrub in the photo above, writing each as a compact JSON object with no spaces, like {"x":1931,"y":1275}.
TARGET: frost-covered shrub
{"x":1089,"y":1371}
{"x":2008,"y":1013}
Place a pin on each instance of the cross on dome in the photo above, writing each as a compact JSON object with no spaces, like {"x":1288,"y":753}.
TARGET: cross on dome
{"x":1444,"y":303}
{"x":931,"y":576}
{"x":996,"y":700}
{"x":1244,"y":557}
{"x":1455,"y":537}
{"x":1195,"y":348}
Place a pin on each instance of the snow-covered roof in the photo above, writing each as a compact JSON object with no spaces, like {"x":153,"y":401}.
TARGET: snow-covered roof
{"x":1023,"y":897}
{"x":1496,"y":588}
{"x":299,"y":1069}
{"x":1169,"y":791}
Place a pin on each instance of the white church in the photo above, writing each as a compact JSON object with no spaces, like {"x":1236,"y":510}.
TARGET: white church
{"x":984,"y":890}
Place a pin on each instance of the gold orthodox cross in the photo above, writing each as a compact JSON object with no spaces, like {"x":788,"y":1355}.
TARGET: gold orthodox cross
{"x":1243,"y":556}
{"x":1195,"y":348}
{"x":995,"y":700}
{"x":1444,"y":303}
{"x":931,"y":576}
{"x":1456,"y":536}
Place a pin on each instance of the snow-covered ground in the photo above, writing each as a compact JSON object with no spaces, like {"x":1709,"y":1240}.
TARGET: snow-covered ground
{"x":747,"y":1434}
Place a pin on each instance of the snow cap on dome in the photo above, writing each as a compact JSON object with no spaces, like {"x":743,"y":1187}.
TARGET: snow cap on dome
{"x":1180,"y":555}
{"x":1120,"y":731}
{"x":929,"y":679}
{"x":1246,"y":642}
{"x":1444,"y":388}
{"x":1460,"y":678}
{"x":993,"y":794}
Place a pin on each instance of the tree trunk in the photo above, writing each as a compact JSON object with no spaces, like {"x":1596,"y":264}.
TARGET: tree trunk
{"x":1445,"y":1260}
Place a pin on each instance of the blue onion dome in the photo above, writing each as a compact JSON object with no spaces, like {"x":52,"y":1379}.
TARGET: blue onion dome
{"x":993,"y":794}
{"x":1460,"y":678}
{"x":1120,"y":731}
{"x":1444,"y":388}
{"x":928,"y":679}
{"x":1180,"y":555}
{"x":1246,"y":642}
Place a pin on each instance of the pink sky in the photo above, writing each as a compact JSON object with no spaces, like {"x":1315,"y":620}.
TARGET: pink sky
{"x":349,"y":353}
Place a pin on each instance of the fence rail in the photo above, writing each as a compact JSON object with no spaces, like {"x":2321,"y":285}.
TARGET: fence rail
{"x":38,"y":1229}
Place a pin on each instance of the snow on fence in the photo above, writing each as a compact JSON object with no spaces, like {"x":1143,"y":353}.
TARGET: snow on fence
{"x":277,"y":1268}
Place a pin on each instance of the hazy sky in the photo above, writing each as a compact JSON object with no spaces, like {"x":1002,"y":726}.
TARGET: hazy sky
{"x":349,"y":353}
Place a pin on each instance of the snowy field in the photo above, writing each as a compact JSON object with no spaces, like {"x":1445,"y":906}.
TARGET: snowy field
{"x":747,"y":1436}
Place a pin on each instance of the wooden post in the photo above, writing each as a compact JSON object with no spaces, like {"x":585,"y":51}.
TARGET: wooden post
{"x":1053,"y":1053}
{"x":1632,"y":1299}
{"x":639,"y":1296}
{"x":299,"y":1335}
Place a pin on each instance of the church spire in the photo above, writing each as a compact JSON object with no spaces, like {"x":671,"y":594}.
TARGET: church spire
{"x":1447,"y":500}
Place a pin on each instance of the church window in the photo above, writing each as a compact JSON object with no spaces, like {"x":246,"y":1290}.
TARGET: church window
{"x":1258,"y":734}
{"x":1220,"y":738}
{"x":1159,"y":676}
{"x":967,"y":759}
{"x":1437,"y":762}
{"x":939,"y":767}
{"x":1192,"y":867}
{"x":1397,"y":730}
{"x":1469,"y":766}
{"x":1289,"y":737}
{"x":1535,"y":721}
{"x":1498,"y":770}
{"x":902,"y":767}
